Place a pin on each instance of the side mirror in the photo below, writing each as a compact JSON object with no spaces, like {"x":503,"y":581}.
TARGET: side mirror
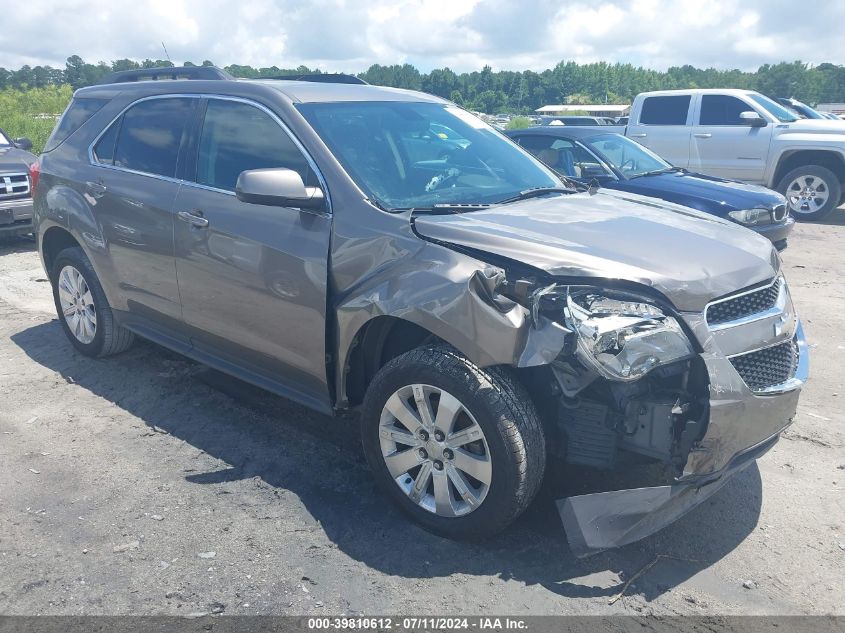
{"x":23,"y":143}
{"x":752,"y":118}
{"x":278,"y":187}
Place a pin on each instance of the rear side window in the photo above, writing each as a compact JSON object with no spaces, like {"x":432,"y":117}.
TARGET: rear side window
{"x":104,"y":149}
{"x":237,"y":137}
{"x":722,"y":110}
{"x":669,"y":110}
{"x":77,"y":113}
{"x":149,"y":136}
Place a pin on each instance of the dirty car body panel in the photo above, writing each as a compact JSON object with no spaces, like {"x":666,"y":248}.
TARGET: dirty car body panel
{"x":516,"y":285}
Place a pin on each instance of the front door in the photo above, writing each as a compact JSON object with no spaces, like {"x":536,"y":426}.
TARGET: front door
{"x":253,"y":278}
{"x":723,"y":145}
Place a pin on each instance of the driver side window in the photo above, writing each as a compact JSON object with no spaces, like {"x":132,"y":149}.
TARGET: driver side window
{"x":563,"y":155}
{"x":237,"y":137}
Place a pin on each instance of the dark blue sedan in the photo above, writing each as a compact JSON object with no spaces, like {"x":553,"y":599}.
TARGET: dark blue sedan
{"x":616,"y":162}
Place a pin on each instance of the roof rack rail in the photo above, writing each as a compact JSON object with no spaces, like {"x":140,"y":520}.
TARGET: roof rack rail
{"x":165,"y":73}
{"x":323,"y":78}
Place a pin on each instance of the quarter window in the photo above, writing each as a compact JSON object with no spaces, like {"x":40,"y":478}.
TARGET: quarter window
{"x":237,"y":137}
{"x":149,"y":136}
{"x":722,"y":110}
{"x":669,"y":110}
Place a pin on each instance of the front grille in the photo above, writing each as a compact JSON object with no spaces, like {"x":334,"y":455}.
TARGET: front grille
{"x":767,"y":367}
{"x":780,"y":212}
{"x":744,"y":305}
{"x":13,"y":186}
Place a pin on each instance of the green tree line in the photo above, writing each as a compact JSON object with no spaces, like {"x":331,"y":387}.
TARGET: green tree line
{"x":506,"y":90}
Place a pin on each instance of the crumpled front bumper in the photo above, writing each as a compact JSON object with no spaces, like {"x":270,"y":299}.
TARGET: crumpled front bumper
{"x":742,"y":426}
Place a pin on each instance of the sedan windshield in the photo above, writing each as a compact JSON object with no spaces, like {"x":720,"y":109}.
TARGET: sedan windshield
{"x":775,"y":109}
{"x":626,"y":156}
{"x":417,"y":155}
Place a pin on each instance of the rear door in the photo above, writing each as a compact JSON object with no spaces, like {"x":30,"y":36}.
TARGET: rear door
{"x":722,"y":145}
{"x":663,"y":125}
{"x":132,"y":185}
{"x":253,"y":278}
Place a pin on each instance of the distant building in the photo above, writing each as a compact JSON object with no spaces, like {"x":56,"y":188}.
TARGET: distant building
{"x":836,"y":108}
{"x":600,"y":109}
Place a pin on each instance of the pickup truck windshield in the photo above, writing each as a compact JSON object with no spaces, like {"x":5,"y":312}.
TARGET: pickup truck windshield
{"x":4,"y":141}
{"x":417,"y":155}
{"x":776,"y":110}
{"x":626,"y":156}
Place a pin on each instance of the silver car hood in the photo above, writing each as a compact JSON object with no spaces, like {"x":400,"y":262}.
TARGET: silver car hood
{"x":688,"y":256}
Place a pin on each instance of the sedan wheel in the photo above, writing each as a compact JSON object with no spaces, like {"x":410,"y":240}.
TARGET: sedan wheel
{"x":77,"y":305}
{"x":435,"y":450}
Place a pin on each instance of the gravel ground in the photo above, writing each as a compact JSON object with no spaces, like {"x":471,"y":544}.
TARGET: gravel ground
{"x":148,"y":484}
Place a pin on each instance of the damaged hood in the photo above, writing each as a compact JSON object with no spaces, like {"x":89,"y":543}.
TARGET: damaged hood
{"x":688,"y":256}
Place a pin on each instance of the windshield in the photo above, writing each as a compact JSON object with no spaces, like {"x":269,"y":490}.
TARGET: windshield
{"x":4,"y":140}
{"x":414,"y":155}
{"x":626,"y":156}
{"x":806,"y":110}
{"x":778,"y":111}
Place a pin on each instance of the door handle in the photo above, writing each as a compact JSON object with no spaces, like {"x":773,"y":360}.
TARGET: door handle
{"x":194,"y":218}
{"x":96,"y":189}
{"x":702,"y":135}
{"x":641,"y":135}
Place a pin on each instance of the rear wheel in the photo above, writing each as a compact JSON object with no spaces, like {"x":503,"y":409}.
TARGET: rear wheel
{"x":812,"y":192}
{"x":459,"y":448}
{"x":83,"y":309}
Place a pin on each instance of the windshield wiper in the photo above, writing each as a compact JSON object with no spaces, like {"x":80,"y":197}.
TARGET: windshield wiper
{"x":657,"y":172}
{"x":447,"y":207}
{"x":538,"y":191}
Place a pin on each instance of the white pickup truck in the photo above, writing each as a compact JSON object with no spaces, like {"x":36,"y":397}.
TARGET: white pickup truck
{"x":743,"y":135}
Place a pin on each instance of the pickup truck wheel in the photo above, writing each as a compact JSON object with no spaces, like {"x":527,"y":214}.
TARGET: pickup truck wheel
{"x":812,"y":192}
{"x":459,"y":448}
{"x":83,"y":309}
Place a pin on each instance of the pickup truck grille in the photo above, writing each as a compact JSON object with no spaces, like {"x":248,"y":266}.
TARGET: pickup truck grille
{"x":767,"y":367}
{"x":14,"y":186}
{"x":743,"y":305}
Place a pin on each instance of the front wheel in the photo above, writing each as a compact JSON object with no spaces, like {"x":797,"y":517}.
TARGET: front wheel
{"x":812,"y":192}
{"x":458,"y":448}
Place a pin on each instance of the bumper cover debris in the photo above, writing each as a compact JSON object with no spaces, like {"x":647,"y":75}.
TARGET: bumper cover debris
{"x":604,"y":520}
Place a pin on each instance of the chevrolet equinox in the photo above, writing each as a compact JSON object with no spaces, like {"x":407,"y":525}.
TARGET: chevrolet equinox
{"x":350,"y":246}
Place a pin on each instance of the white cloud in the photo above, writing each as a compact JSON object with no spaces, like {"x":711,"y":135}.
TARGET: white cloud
{"x":462,"y":34}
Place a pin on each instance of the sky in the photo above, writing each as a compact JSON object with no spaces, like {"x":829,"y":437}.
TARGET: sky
{"x":345,"y":35}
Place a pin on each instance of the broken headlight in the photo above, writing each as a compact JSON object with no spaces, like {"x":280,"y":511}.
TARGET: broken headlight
{"x":623,"y":339}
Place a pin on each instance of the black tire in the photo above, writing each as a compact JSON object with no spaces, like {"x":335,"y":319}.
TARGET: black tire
{"x":830,"y":182}
{"x":501,"y":407}
{"x":109,"y":338}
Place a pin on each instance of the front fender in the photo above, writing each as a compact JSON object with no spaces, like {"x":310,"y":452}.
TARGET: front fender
{"x":453,"y":296}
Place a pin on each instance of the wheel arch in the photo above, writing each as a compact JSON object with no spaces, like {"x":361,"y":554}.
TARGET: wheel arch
{"x":789,"y":160}
{"x":54,"y":240}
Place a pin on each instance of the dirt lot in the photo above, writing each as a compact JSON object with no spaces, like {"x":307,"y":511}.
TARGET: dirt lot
{"x":147,"y":484}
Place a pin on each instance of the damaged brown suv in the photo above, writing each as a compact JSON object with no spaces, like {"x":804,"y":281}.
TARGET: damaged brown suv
{"x":356,"y":247}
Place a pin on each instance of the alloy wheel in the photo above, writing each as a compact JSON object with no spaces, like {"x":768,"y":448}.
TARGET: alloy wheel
{"x":77,"y":305}
{"x":435,"y":450}
{"x":807,"y":194}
